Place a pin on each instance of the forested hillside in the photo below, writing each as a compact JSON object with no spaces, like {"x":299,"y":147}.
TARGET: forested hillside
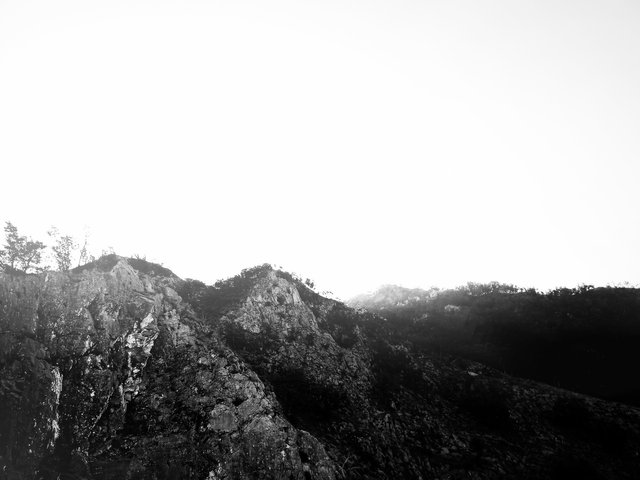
{"x":584,"y":339}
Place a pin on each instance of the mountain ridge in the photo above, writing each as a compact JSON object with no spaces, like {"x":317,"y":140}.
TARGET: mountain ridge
{"x":131,"y":372}
{"x":583,"y":339}
{"x":110,"y":342}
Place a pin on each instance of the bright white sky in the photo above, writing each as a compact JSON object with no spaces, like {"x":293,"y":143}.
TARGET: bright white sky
{"x":354,"y":142}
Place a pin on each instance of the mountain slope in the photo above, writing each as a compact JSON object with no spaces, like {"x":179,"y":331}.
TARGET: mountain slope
{"x":122,"y":370}
{"x":108,"y":374}
{"x":384,"y":412}
{"x":582,"y":339}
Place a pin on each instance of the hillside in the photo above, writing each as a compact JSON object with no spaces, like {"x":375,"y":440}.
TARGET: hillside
{"x":582,"y":339}
{"x":122,"y":370}
{"x":383,"y":411}
{"x":108,"y":374}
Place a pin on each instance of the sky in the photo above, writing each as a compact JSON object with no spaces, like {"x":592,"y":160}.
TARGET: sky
{"x":358,"y":143}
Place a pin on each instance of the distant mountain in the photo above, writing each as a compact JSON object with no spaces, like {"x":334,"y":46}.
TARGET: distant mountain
{"x":582,"y":339}
{"x":122,"y":370}
{"x":389,"y":297}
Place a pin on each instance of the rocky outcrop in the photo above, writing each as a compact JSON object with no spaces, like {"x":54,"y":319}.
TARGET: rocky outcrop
{"x":274,"y":305}
{"x":107,"y":373}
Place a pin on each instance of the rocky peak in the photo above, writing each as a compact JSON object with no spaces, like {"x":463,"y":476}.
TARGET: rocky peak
{"x":108,"y":374}
{"x":273,"y":304}
{"x":272,"y":289}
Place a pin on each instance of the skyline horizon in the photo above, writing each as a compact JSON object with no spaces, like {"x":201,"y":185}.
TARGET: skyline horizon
{"x":363,"y":143}
{"x":344,"y":295}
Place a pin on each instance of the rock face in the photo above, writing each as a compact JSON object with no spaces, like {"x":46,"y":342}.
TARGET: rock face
{"x":106,"y":373}
{"x":120,"y":370}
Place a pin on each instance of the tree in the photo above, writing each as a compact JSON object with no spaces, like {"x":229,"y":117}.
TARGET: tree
{"x":62,"y":249}
{"x":84,"y":256}
{"x":31,"y":255}
{"x":20,"y":253}
{"x":14,"y":244}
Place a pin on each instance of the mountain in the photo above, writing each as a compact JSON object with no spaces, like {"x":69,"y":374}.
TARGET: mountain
{"x":389,"y":297}
{"x":108,"y":374}
{"x":122,"y":370}
{"x":583,"y":339}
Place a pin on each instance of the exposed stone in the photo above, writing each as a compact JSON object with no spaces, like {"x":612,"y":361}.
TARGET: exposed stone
{"x":107,"y":374}
{"x":222,"y":419}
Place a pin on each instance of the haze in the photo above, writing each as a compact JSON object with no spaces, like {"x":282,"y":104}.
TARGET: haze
{"x":357,"y":143}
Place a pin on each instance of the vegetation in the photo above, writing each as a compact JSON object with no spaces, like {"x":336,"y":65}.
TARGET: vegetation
{"x":394,"y":368}
{"x":104,"y":263}
{"x":62,"y":249}
{"x":583,"y":339}
{"x":20,"y":254}
{"x":574,"y":416}
{"x":143,"y":265}
{"x":213,"y":301}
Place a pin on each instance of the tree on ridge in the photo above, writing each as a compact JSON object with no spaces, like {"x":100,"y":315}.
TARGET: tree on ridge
{"x":20,"y":253}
